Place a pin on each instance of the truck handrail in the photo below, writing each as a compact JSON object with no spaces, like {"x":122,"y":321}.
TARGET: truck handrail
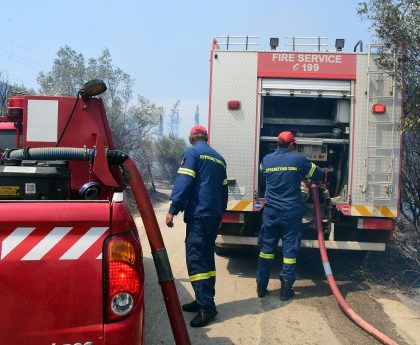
{"x":242,"y":40}
{"x":295,"y":45}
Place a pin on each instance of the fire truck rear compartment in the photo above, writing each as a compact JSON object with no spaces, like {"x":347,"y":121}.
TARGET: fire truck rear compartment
{"x":321,"y":127}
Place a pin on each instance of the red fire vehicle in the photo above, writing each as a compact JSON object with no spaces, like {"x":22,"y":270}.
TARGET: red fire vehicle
{"x":71,"y":268}
{"x":345,"y":112}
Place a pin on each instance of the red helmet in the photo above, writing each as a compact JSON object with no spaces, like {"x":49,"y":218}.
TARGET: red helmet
{"x":286,"y":137}
{"x":197,"y":130}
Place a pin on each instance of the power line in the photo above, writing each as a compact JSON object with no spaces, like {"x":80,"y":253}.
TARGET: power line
{"x":20,"y":59}
{"x":24,"y":47}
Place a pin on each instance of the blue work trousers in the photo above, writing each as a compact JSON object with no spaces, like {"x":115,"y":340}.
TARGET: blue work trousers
{"x":199,"y":248}
{"x":289,"y":230}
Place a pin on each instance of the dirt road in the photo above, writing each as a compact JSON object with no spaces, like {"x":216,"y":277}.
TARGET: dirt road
{"x":312,"y":317}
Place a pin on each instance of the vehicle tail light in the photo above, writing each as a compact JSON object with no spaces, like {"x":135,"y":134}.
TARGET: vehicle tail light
{"x":376,"y":223}
{"x":233,"y":217}
{"x":378,"y":108}
{"x":122,"y":276}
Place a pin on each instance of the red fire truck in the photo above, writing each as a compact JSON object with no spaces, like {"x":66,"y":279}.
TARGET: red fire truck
{"x":345,"y":112}
{"x":71,"y":268}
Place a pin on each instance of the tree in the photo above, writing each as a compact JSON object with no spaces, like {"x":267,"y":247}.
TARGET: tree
{"x":174,"y":119}
{"x":119,"y":83}
{"x":20,"y":89}
{"x":396,"y":24}
{"x":67,"y":75}
{"x":161,"y":126}
{"x":4,"y":91}
{"x":132,"y":125}
{"x":410,"y":188}
{"x":138,"y":132}
{"x":169,"y":151}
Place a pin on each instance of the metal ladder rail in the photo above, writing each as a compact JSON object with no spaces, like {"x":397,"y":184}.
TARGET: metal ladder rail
{"x":392,"y":123}
{"x":386,"y":159}
{"x":369,"y":156}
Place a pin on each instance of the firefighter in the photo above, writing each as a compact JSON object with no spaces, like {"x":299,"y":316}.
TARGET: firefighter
{"x":282,"y":215}
{"x":200,"y":191}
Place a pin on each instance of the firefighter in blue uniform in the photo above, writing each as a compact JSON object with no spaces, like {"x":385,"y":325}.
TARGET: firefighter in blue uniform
{"x":200,"y":191}
{"x":282,"y":215}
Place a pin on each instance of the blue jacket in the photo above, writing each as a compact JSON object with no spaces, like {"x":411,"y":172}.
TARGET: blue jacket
{"x":284,"y":170}
{"x":200,"y":187}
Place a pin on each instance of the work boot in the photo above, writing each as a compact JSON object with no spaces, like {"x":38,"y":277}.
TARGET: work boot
{"x":203,"y":317}
{"x":261,"y":290}
{"x":191,"y":307}
{"x":286,"y":291}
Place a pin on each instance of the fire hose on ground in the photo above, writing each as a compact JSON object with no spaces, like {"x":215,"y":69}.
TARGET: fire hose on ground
{"x":331,"y":281}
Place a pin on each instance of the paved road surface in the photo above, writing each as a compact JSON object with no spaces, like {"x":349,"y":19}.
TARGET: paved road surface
{"x":312,"y":317}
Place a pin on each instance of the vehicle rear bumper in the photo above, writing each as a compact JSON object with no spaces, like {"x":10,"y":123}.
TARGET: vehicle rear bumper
{"x":226,"y":240}
{"x":128,"y":331}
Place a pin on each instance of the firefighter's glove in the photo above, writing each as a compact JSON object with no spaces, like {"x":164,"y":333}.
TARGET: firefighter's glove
{"x":169,"y":220}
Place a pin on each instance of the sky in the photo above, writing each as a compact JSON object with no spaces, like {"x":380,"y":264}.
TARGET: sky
{"x":163,"y":45}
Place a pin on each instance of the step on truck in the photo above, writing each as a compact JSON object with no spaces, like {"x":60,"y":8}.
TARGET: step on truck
{"x":71,"y":268}
{"x":345,"y":113}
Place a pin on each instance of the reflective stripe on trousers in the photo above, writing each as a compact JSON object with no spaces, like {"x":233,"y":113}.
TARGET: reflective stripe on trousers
{"x":199,"y":246}
{"x":202,"y":276}
{"x":290,"y":232}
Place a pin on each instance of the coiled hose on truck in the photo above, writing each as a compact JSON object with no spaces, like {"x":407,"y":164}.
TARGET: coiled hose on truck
{"x":115,"y":157}
{"x":331,"y":281}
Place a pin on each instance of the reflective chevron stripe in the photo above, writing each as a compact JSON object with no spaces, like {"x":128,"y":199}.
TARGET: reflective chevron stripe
{"x":58,"y":243}
{"x":239,"y":205}
{"x":373,"y":211}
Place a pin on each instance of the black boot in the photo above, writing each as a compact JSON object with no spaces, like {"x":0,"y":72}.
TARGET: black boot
{"x":261,"y":290}
{"x":286,"y":291}
{"x":191,"y":307}
{"x":203,"y":317}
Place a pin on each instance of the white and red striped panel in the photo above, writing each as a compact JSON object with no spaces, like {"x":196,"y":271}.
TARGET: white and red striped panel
{"x":52,"y":243}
